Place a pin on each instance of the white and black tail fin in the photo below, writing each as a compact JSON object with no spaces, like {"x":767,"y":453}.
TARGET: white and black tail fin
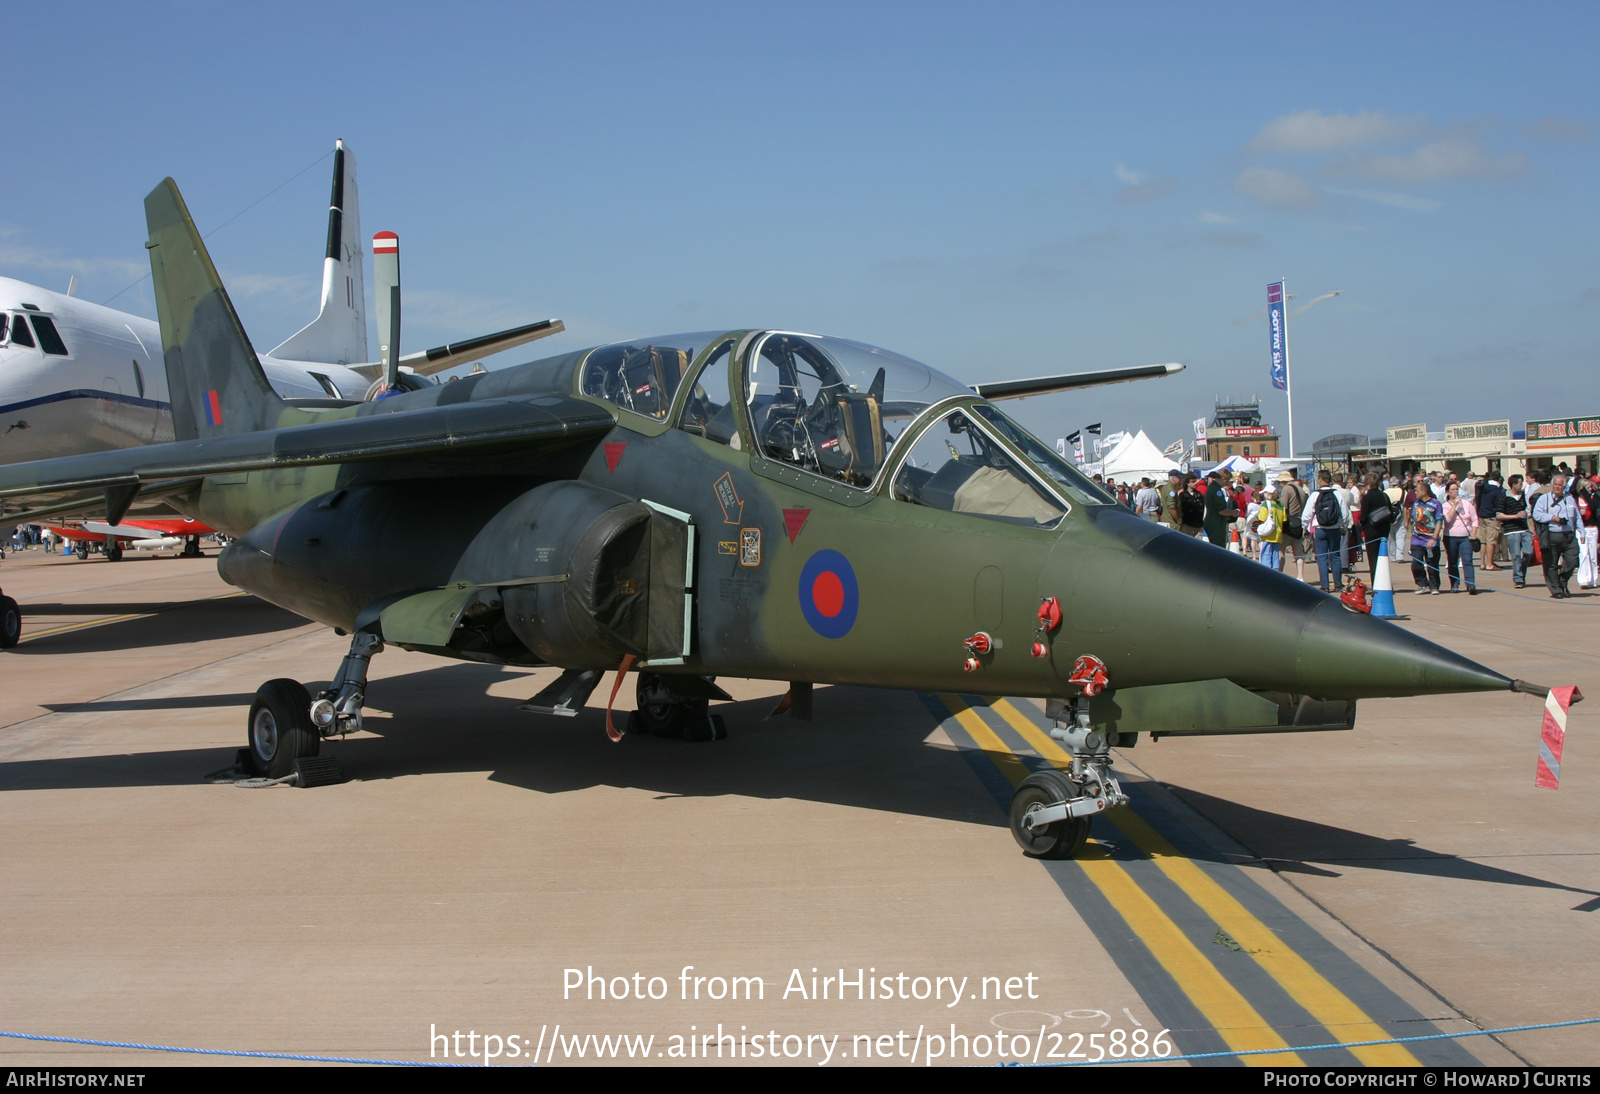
{"x":214,"y":378}
{"x":338,"y":335}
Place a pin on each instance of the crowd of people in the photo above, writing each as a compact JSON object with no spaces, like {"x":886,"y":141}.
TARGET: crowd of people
{"x":1445,"y":525}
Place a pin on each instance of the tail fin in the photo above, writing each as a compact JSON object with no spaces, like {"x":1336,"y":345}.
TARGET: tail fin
{"x":214,"y":379}
{"x":338,"y":335}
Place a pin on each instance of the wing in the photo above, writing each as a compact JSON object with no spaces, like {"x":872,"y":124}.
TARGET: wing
{"x":1044,"y":385}
{"x":493,"y":427}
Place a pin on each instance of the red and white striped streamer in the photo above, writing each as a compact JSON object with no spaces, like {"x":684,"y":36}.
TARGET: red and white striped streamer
{"x":1552,"y":736}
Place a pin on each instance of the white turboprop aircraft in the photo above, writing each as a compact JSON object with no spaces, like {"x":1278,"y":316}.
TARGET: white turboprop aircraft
{"x":80,"y":377}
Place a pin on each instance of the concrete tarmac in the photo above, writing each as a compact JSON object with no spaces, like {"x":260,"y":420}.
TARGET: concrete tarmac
{"x":482,"y":859}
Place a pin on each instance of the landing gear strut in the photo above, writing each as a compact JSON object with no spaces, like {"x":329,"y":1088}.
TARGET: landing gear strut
{"x":337,"y":710}
{"x":1050,"y":810}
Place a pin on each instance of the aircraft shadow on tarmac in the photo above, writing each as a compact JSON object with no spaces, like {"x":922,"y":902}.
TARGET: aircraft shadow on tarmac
{"x":172,"y":624}
{"x":1289,"y":845}
{"x":865,"y":749}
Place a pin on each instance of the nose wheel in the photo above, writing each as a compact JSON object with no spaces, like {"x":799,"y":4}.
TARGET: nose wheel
{"x":1052,"y":839}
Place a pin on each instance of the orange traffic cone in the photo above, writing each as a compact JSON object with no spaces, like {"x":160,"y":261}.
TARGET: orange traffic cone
{"x":1233,"y":541}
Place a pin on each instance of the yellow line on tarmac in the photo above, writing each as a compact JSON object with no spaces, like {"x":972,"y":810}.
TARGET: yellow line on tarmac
{"x":84,"y":624}
{"x":120,"y":618}
{"x":1010,"y":765}
{"x":1326,"y":1003}
{"x":1229,"y":1012}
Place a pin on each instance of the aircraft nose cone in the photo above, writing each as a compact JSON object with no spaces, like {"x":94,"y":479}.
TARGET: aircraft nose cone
{"x":1351,"y":655}
{"x":1189,"y":611}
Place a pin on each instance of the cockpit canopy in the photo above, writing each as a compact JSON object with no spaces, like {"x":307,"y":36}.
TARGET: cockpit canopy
{"x":838,"y":409}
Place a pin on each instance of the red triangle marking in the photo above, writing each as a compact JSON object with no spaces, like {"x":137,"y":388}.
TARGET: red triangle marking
{"x":794,"y":520}
{"x":614,"y":454}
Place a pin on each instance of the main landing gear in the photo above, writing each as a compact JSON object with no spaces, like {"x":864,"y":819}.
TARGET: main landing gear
{"x":1051,"y":810}
{"x":677,"y":706}
{"x":287,"y":726}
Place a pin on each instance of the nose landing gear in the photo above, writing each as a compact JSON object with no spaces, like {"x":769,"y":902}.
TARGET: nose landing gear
{"x":1050,"y":810}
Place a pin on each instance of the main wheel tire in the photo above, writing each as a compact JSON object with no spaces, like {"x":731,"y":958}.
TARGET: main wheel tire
{"x":10,"y":623}
{"x":113,"y":552}
{"x":658,"y":713}
{"x":1058,"y":840}
{"x":280,"y":729}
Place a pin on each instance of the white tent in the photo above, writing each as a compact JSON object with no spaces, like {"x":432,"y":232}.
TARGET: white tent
{"x":1135,"y":458}
{"x":1237,"y":464}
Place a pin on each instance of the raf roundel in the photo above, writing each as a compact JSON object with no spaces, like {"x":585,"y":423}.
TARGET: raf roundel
{"x":829,"y":597}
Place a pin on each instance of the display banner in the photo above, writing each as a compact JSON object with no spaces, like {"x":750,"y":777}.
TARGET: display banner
{"x":1278,"y":336}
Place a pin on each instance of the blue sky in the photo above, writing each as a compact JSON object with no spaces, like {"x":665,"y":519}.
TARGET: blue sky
{"x":998,"y":190}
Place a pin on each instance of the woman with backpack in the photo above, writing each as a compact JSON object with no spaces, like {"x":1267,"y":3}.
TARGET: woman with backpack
{"x":1377,"y":519}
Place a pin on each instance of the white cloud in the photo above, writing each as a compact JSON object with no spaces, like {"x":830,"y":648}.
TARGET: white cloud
{"x":1447,"y":158}
{"x":1384,"y":197}
{"x":1127,"y":177}
{"x":36,"y":259}
{"x":1278,"y":188}
{"x":1314,"y":131}
{"x":1215,"y":218}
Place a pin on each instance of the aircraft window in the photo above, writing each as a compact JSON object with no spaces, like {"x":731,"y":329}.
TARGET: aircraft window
{"x":957,"y":467}
{"x":709,"y":409}
{"x":20,"y":335}
{"x":49,"y":340}
{"x":1075,"y":482}
{"x":835,"y":407}
{"x":3,"y":320}
{"x":642,"y":376}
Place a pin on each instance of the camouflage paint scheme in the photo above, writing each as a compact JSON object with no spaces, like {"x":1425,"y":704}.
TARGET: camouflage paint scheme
{"x":400,"y":516}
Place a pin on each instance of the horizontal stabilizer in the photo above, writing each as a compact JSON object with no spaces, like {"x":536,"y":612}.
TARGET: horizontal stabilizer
{"x":428,"y":362}
{"x":1044,"y":385}
{"x":430,"y":432}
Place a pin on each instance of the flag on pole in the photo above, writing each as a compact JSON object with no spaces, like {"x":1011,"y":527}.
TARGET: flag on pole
{"x":1200,"y":430}
{"x":1278,"y":336}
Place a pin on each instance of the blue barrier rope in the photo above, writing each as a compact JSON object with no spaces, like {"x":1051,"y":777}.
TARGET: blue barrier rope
{"x":227,"y":1052}
{"x":1073,"y":1063}
{"x":1319,"y":1048}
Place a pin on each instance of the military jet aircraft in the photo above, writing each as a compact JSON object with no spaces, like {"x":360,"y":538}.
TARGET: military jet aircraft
{"x":757,"y":503}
